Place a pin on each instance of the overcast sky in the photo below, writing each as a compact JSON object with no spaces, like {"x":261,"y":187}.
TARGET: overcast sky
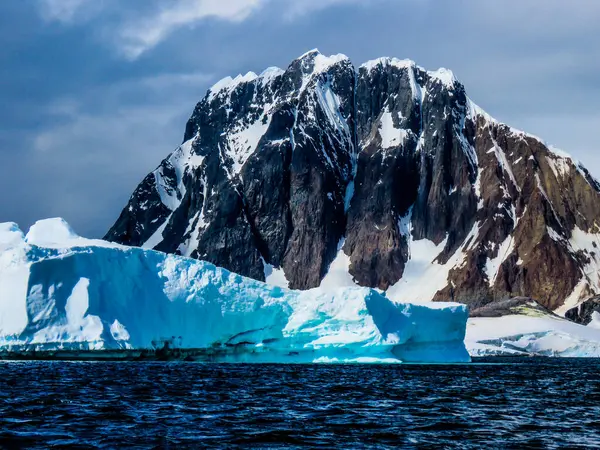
{"x":95,"y":93}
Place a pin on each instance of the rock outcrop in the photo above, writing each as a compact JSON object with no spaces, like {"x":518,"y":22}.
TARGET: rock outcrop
{"x":583,"y":313}
{"x":524,"y":306}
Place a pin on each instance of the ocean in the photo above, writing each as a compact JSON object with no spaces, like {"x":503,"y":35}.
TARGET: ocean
{"x":495,"y":403}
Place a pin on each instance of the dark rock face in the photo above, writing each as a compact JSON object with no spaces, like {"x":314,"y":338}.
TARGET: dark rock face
{"x":431,"y":197}
{"x":582,"y":314}
{"x":511,"y":306}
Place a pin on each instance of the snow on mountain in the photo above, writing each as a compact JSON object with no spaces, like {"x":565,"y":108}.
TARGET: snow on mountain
{"x":432,"y":197}
{"x":58,"y":290}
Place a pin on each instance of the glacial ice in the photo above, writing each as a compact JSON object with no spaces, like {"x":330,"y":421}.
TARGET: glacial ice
{"x":539,"y":335}
{"x":62,"y":291}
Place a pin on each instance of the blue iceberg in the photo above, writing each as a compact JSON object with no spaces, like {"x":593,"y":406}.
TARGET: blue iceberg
{"x":62,"y":291}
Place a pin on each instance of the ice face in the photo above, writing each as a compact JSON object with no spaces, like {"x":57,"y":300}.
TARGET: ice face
{"x":59,"y":290}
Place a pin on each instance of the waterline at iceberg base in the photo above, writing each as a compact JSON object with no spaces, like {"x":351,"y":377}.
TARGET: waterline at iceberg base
{"x":61,"y":292}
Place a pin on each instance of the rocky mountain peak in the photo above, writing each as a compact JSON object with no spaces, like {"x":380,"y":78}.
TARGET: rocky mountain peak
{"x":386,"y":176}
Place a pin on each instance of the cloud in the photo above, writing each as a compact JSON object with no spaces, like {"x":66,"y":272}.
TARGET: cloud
{"x":141,"y":34}
{"x":81,"y":128}
{"x":67,"y":11}
{"x":94,"y":149}
{"x":137,"y":27}
{"x":300,"y":8}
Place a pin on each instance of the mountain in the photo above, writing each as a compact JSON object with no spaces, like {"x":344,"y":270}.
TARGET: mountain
{"x":386,"y":176}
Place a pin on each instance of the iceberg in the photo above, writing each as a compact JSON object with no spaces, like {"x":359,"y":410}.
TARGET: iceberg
{"x":519,"y":335}
{"x":521,"y":327}
{"x":61,"y":291}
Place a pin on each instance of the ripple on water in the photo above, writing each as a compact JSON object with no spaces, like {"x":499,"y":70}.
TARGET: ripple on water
{"x":547,"y":403}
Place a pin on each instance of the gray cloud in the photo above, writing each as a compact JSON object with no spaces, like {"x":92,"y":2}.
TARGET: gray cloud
{"x":86,"y":163}
{"x":136,"y":31}
{"x":82,"y":125}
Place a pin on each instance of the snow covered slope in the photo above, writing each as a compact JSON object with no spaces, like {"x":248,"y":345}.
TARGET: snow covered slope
{"x":525,"y":328}
{"x":58,"y":290}
{"x":523,"y":335}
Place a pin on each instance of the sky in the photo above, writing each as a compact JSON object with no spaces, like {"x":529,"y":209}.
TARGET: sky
{"x":95,"y":93}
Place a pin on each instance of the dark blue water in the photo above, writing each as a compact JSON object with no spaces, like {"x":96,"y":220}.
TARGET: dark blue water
{"x":541,"y":403}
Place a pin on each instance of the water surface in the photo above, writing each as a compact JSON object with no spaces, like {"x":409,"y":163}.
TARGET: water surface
{"x":533,"y":403}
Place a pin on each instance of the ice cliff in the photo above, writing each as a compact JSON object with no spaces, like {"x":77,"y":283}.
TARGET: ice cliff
{"x":59,"y":290}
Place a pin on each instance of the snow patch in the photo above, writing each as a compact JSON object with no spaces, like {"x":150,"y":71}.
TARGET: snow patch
{"x":330,"y":104}
{"x":554,"y":234}
{"x":390,"y":135}
{"x":56,"y":233}
{"x":229,"y":84}
{"x":587,"y":243}
{"x":560,"y":153}
{"x":574,"y":298}
{"x":182,"y":160}
{"x":492,"y":265}
{"x":386,"y":61}
{"x":323,"y":63}
{"x":195,"y":227}
{"x":423,"y":275}
{"x":473,"y":111}
{"x":157,"y":236}
{"x":477,"y":188}
{"x":275,"y":276}
{"x":50,"y":232}
{"x":560,"y":166}
{"x":338,"y":274}
{"x":503,"y":161}
{"x":595,"y":322}
{"x":243,"y":141}
{"x":269,"y":74}
{"x":405,"y":224}
{"x":444,"y":76}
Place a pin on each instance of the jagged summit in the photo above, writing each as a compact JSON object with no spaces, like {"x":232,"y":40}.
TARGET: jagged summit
{"x":313,"y":61}
{"x":445,"y":76}
{"x":386,"y":176}
{"x":387,"y":61}
{"x":310,"y":63}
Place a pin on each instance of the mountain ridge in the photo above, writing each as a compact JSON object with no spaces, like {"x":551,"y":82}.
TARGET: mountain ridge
{"x":387,"y":172}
